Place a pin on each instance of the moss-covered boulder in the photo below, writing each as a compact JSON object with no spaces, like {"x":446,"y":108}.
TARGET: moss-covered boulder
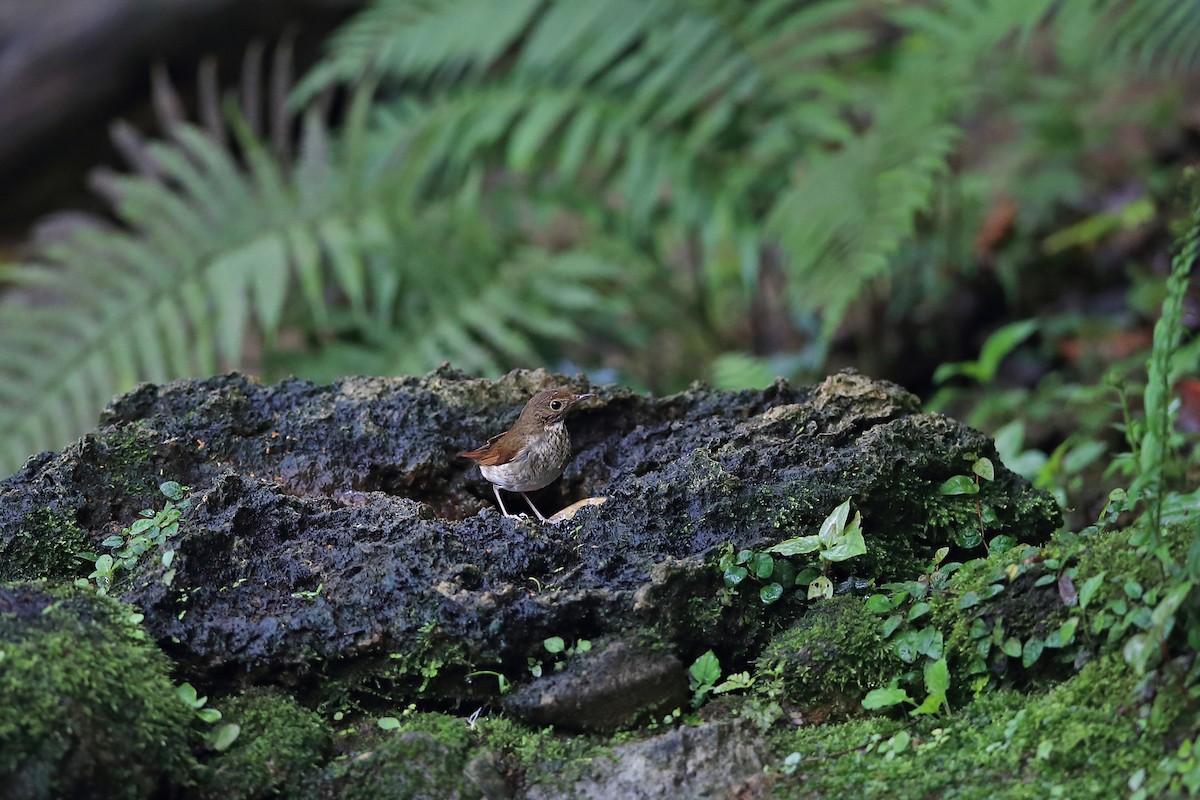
{"x":279,"y":743}
{"x":827,"y":661}
{"x":421,"y":756}
{"x":334,"y":547}
{"x":335,"y":524}
{"x":87,"y":707}
{"x":1078,"y":740}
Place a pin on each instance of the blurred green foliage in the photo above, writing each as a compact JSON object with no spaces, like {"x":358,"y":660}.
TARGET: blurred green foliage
{"x":655,"y":190}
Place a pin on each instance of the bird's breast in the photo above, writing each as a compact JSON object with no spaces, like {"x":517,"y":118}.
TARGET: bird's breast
{"x":537,"y":465}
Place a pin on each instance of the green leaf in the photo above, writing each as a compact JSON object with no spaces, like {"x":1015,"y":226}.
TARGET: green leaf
{"x":762,"y":565}
{"x":879,"y":604}
{"x":1138,"y":650}
{"x":187,"y":693}
{"x":172,"y":490}
{"x":770,"y":592}
{"x":1001,"y":543}
{"x":847,"y":544}
{"x":984,"y":469}
{"x":906,"y":646}
{"x":797,"y":546}
{"x":532,"y":131}
{"x":141,"y":526}
{"x":736,"y":681}
{"x":937,"y":683}
{"x":912,"y":643}
{"x":225,"y":736}
{"x":885,"y":698}
{"x":1011,"y":647}
{"x":968,"y":538}
{"x":891,"y":624}
{"x":388,"y":723}
{"x":958,"y":485}
{"x":820,"y":587}
{"x":834,"y":523}
{"x":1089,"y":587}
{"x":1164,"y":612}
{"x":1031,"y":651}
{"x":918,"y":610}
{"x":1065,"y":633}
{"x":555,"y":644}
{"x":929,"y":705}
{"x":937,"y":677}
{"x":735,"y":575}
{"x":784,"y":573}
{"x":969,"y":600}
{"x":705,"y":670}
{"x":209,"y":715}
{"x":997,"y":346}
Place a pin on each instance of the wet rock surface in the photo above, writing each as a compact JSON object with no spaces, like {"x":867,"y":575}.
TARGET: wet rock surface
{"x":707,"y":762}
{"x":608,"y":689}
{"x":335,"y":540}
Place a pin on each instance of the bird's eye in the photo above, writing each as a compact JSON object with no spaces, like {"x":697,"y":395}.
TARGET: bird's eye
{"x":556,"y":404}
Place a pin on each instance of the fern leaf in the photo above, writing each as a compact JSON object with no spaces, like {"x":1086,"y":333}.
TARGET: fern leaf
{"x":419,"y":38}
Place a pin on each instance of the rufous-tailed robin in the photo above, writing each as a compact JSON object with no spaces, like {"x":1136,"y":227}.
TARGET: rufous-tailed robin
{"x":533,"y":452}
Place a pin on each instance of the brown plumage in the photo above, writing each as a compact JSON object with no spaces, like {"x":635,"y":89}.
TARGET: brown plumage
{"x":533,"y":452}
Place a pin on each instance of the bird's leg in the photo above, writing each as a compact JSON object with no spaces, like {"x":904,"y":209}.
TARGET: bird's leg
{"x":503,"y":510}
{"x":531,"y":505}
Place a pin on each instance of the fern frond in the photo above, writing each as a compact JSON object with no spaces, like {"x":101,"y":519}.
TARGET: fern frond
{"x":1153,"y":33}
{"x":420,"y":40}
{"x":843,"y":219}
{"x":206,"y":247}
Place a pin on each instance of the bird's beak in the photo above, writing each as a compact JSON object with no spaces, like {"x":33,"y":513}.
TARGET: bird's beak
{"x":581,"y":397}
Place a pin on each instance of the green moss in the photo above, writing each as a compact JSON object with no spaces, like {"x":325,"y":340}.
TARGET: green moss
{"x":279,"y":743}
{"x":451,"y":731}
{"x":129,"y":453}
{"x":1082,"y":739}
{"x":832,"y":656}
{"x":542,"y":755}
{"x":45,"y":546}
{"x":87,"y":707}
{"x":440,"y":755}
{"x":130,"y":445}
{"x":429,"y":755}
{"x":1018,"y":609}
{"x":1111,"y":553}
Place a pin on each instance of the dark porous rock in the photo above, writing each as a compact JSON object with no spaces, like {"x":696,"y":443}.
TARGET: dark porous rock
{"x":713,"y":760}
{"x":337,"y":547}
{"x":606,"y":689}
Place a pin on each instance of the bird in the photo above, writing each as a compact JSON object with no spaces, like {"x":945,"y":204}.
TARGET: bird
{"x":533,"y":453}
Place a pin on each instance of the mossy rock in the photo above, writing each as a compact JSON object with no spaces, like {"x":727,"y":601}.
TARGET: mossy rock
{"x":427,"y":756}
{"x":47,"y":545}
{"x":828,"y":660}
{"x":334,"y":527}
{"x":1079,"y":740}
{"x":279,"y":743}
{"x":87,"y":707}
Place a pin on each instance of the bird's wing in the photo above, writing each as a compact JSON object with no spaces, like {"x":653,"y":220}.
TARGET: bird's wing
{"x":497,"y":451}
